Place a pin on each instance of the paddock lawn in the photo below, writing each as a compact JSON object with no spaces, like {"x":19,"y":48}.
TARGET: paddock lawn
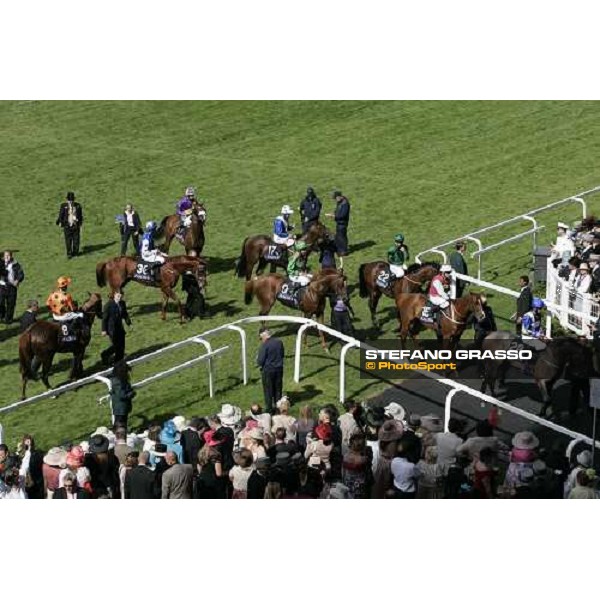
{"x":432,"y":170}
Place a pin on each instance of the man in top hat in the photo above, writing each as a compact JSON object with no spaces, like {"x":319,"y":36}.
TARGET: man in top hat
{"x":342,"y":219}
{"x":70,"y":218}
{"x":564,"y":247}
{"x":310,"y":210}
{"x":11,"y":276}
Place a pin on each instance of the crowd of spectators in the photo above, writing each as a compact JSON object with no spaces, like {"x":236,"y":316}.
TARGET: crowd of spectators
{"x":366,"y":452}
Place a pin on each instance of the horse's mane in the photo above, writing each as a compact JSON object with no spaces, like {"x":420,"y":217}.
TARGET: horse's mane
{"x":417,"y":266}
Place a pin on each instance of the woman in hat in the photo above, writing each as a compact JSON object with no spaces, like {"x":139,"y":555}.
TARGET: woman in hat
{"x":240,"y":474}
{"x":374,"y":419}
{"x":319,"y":444}
{"x":131,"y":461}
{"x":210,"y":484}
{"x":104,"y":468}
{"x":389,"y":434}
{"x":54,"y":461}
{"x":70,"y":489}
{"x":522,"y":456}
{"x":74,"y":464}
{"x":584,"y":279}
{"x":356,"y":467}
{"x":304,"y":425}
{"x":284,"y":419}
{"x":170,"y":436}
{"x":256,"y":443}
{"x":583,"y":461}
{"x":583,"y":489}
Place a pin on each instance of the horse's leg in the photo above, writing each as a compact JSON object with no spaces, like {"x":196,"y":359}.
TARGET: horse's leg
{"x":46,"y":365}
{"x":373,"y":302}
{"x":545,"y":386}
{"x":165,"y":302}
{"x":173,"y":296}
{"x":262,"y":263}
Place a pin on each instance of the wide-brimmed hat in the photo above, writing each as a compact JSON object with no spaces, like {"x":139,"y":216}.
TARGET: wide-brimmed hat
{"x":584,"y":458}
{"x":230,"y":415}
{"x":584,"y":267}
{"x":98,"y":444}
{"x":257,"y":433}
{"x":432,"y":423}
{"x":525,"y":440}
{"x":375,"y":416}
{"x":107,"y":433}
{"x":56,"y":457}
{"x":390,"y":431}
{"x":396,"y":411}
{"x":180,"y":422}
{"x":75,"y":457}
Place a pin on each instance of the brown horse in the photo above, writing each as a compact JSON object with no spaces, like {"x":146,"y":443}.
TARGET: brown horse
{"x":193,"y":242}
{"x":453,"y":320}
{"x":117,"y":272}
{"x":41,"y":341}
{"x":414,"y":278}
{"x":255,"y":250}
{"x":325,"y":283}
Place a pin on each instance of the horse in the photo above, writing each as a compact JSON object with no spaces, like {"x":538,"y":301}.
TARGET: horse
{"x":415,"y":276}
{"x":193,"y":240}
{"x":41,"y":341}
{"x":453,"y":320}
{"x":325,"y":283}
{"x":255,"y":249}
{"x":117,"y":272}
{"x":569,"y":358}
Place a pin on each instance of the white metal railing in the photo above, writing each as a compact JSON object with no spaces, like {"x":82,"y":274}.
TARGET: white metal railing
{"x":528,"y":217}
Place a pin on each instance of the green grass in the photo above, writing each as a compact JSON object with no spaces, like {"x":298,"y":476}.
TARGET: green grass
{"x":429,"y":169}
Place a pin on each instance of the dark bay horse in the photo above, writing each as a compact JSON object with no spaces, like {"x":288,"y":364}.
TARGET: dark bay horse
{"x":193,"y":241}
{"x":255,"y":249}
{"x":41,"y":341}
{"x":117,"y":272}
{"x":453,"y":320}
{"x":324,"y":284}
{"x":414,"y":278}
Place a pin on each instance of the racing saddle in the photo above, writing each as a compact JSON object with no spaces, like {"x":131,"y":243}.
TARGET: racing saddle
{"x":291,"y":293}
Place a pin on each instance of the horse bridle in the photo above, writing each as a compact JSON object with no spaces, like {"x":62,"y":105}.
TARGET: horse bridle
{"x":454,"y":311}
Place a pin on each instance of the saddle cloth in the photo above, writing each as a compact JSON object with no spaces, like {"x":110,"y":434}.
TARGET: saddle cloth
{"x":384,"y":278}
{"x":145,"y":271}
{"x":427,"y":314}
{"x":291,"y":294}
{"x":275,"y":252}
{"x":69,"y":331}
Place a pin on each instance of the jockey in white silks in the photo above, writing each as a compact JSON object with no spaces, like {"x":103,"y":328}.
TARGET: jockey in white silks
{"x":282,"y":228}
{"x":439,"y":287}
{"x":147,"y":251}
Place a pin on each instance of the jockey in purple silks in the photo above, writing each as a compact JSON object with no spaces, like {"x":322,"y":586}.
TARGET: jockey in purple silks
{"x":186,"y":205}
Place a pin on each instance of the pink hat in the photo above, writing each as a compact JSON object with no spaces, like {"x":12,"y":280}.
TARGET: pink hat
{"x":208,"y":438}
{"x":75,"y":457}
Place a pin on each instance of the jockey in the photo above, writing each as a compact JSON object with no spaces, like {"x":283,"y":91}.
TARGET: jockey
{"x":297,"y":269}
{"x":532,"y":320}
{"x":438,"y":289}
{"x":196,"y":205}
{"x":397,"y":256}
{"x":281,"y":227}
{"x":61,"y":303}
{"x":148,"y":252}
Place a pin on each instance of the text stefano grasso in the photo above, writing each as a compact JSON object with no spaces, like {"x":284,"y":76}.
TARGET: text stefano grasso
{"x":412,"y":355}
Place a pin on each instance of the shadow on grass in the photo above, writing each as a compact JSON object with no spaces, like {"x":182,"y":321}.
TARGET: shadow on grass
{"x":91,"y":248}
{"x":362,"y":245}
{"x":227,"y":308}
{"x":218,"y":264}
{"x":9,"y":332}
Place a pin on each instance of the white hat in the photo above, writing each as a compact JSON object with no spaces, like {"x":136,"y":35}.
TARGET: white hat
{"x":394,"y":410}
{"x":282,"y":400}
{"x":585,"y":458}
{"x":584,"y":267}
{"x":230,"y":415}
{"x":286,"y":210}
{"x":180,"y":422}
{"x":562,"y":225}
{"x":445,"y":269}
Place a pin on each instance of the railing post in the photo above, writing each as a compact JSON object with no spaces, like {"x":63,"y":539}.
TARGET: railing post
{"x":244,"y":355}
{"x":448,"y":408}
{"x":209,"y":362}
{"x":299,"y":335}
{"x":345,"y":349}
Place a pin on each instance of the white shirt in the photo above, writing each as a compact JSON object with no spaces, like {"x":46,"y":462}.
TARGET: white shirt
{"x":583,"y":283}
{"x":447,"y":443}
{"x":563,"y":244}
{"x":129,"y":216}
{"x":405,"y":475}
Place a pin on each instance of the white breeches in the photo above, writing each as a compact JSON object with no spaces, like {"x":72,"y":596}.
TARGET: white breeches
{"x":288,"y":241}
{"x":439,"y":301}
{"x":67,"y":316}
{"x":397,"y":271}
{"x":301,"y":279}
{"x":154,"y":256}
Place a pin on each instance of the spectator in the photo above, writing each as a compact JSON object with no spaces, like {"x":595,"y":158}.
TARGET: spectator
{"x":284,"y":419}
{"x":115,"y":312}
{"x":459,"y":265}
{"x":342,"y":219}
{"x":177,"y":480}
{"x":258,"y":479}
{"x":279,"y":445}
{"x":584,"y":279}
{"x":32,"y":462}
{"x":104,"y":468}
{"x":583,"y":489}
{"x":54,"y":460}
{"x":348,"y":422}
{"x":319,"y":447}
{"x":404,"y":472}
{"x":431,"y":476}
{"x":75,"y":465}
{"x":170,"y":437}
{"x":29,"y":317}
{"x":524,"y":301}
{"x":448,"y":443}
{"x":563,"y":248}
{"x":257,"y":443}
{"x":130,"y":226}
{"x":484,"y":474}
{"x":11,"y":276}
{"x":192,"y":441}
{"x":374,"y":419}
{"x":262,"y":418}
{"x":583,"y":462}
{"x":240,"y":474}
{"x":270,"y":360}
{"x":304,"y":425}
{"x":121,"y":395}
{"x":225,"y":437}
{"x":356,"y":467}
{"x":389,"y":434}
{"x":210,"y":484}
{"x":130,"y":462}
{"x":484,"y":438}
{"x":70,"y":218}
{"x":121,"y":448}
{"x":594,"y":262}
{"x":522,"y":457}
{"x":140,"y":481}
{"x":70,"y":489}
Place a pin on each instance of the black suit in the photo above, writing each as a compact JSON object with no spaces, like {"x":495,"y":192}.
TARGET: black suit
{"x":459,"y":264}
{"x":270,"y":360}
{"x":524,"y":302}
{"x":28,"y":318}
{"x":140,"y":484}
{"x":112,"y":323}
{"x":71,"y":231}
{"x":61,"y":494}
{"x":132,"y":232}
{"x":8,"y":291}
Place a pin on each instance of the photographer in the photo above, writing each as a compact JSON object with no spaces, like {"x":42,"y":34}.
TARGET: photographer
{"x":121,"y":394}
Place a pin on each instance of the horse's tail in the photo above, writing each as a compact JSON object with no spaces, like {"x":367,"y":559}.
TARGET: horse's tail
{"x":101,"y":273}
{"x":242,"y":261}
{"x":25,"y":353}
{"x":160,"y":230}
{"x":248,"y":291}
{"x":362,"y":282}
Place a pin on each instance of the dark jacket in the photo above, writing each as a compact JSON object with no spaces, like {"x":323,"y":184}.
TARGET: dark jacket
{"x":17,"y":271}
{"x":121,"y":396}
{"x":310,"y":208}
{"x":191,"y":444}
{"x":458,"y":263}
{"x":140,"y":484}
{"x":137,"y":224}
{"x":113,"y":316}
{"x":28,"y":318}
{"x":524,"y":301}
{"x":327,"y":255}
{"x":271,"y":354}
{"x":61,"y":494}
{"x":488,"y":323}
{"x":63,"y":214}
{"x":342,"y":212}
{"x":257,"y":485}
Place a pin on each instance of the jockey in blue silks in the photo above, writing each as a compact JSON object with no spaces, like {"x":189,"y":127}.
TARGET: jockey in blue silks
{"x":148,"y":251}
{"x":282,"y":228}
